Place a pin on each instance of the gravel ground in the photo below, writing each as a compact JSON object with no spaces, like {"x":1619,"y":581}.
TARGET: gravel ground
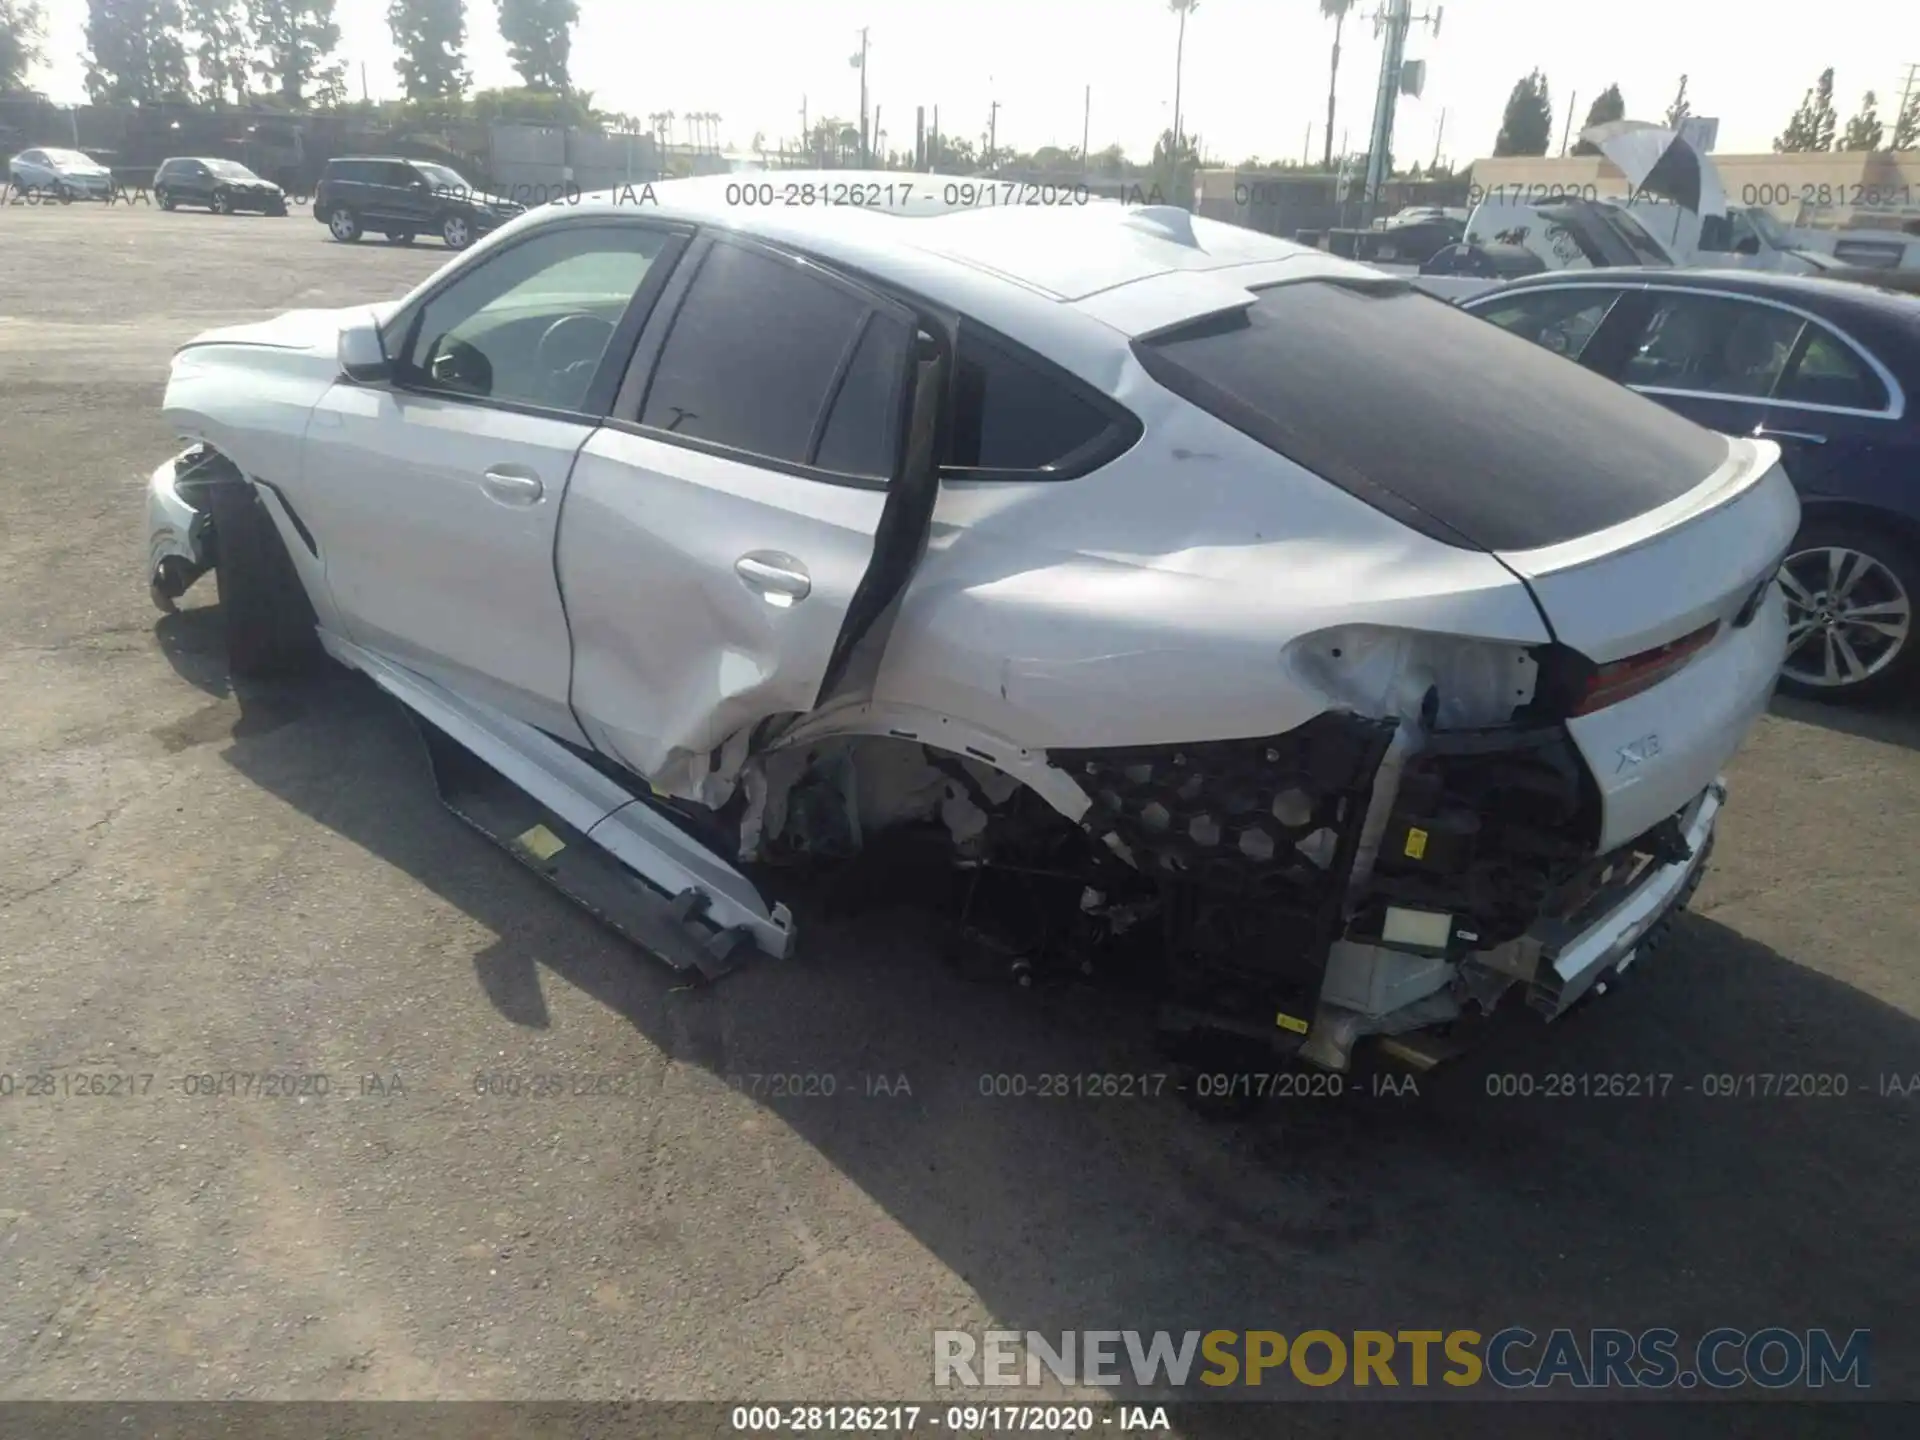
{"x":195,"y":883}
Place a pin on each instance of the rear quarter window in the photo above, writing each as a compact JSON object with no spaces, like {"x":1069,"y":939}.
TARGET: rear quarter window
{"x":1453,"y":426}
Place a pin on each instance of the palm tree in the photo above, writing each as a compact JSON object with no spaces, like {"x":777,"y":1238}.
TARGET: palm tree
{"x":1182,"y":8}
{"x":1336,"y":11}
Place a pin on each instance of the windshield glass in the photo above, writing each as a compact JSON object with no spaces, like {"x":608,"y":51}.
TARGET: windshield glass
{"x":232,"y":169}
{"x":68,"y":157}
{"x":1650,"y":251}
{"x":1769,"y":229}
{"x":441,"y":178}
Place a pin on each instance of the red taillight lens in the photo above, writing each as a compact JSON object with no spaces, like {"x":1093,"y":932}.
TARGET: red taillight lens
{"x":1617,"y":680}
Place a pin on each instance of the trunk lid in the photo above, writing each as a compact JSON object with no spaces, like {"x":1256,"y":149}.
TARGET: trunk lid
{"x":1658,"y":576}
{"x":1677,"y":612}
{"x":1632,"y":527}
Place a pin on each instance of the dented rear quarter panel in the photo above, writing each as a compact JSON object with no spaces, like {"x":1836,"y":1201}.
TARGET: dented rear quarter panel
{"x":1160,"y":598}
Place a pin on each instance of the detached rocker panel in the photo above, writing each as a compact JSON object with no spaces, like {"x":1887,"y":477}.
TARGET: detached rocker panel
{"x":694,"y":909}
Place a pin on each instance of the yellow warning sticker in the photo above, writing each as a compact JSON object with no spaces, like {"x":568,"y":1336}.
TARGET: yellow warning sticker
{"x":1290,"y":1022}
{"x":1416,"y":844}
{"x":540,"y":842}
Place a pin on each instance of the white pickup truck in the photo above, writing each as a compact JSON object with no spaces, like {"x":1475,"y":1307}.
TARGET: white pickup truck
{"x":1508,"y":238}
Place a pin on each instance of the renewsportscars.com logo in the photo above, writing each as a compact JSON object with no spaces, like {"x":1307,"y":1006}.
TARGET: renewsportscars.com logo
{"x":1514,"y":1358}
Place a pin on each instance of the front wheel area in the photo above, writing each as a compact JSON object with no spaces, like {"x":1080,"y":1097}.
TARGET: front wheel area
{"x":1850,"y":589}
{"x":343,"y":225}
{"x":456,"y":232}
{"x":270,"y":623}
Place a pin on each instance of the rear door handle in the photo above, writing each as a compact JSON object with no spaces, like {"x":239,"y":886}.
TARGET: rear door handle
{"x":777,"y":578}
{"x":1765,"y":433}
{"x":513,"y":484}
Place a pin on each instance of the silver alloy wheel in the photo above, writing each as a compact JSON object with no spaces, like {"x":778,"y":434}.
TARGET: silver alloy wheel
{"x":221,"y":204}
{"x":1848,"y":616}
{"x":342,"y":225}
{"x":454,"y":232}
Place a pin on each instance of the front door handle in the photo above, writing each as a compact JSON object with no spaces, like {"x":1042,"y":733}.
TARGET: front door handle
{"x":777,"y":578}
{"x":514,"y":484}
{"x":1763,"y":432}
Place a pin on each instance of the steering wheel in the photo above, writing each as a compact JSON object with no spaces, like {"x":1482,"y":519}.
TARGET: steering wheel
{"x":568,"y":351}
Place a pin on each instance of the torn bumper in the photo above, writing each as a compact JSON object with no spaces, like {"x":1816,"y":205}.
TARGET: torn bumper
{"x":1570,"y":959}
{"x":178,"y":545}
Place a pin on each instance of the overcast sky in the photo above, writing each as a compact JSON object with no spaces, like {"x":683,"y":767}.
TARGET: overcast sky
{"x":1256,"y":70}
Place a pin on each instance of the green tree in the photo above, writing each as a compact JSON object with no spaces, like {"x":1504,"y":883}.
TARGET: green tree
{"x":523,"y":105}
{"x":1607,"y":106}
{"x":294,"y":41}
{"x":23,"y":33}
{"x":1814,"y":122}
{"x":1681,"y":108}
{"x":219,"y":49}
{"x":135,"y":52}
{"x":1527,"y":126}
{"x":1173,"y":168}
{"x":1336,"y":11}
{"x":1182,"y":8}
{"x":1864,"y":131}
{"x":539,"y":36}
{"x":431,"y":36}
{"x":1906,"y":128}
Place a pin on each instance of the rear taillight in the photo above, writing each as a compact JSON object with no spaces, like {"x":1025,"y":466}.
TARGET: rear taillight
{"x":1617,"y":680}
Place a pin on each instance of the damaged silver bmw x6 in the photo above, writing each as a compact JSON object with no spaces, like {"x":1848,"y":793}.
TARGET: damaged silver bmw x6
{"x":1350,"y":663}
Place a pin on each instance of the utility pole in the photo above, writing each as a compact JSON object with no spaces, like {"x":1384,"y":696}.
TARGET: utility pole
{"x":1396,"y":18}
{"x":1906,"y":93}
{"x":933,"y":145}
{"x":1438,"y":131}
{"x":1086,"y":129}
{"x":1306,"y":146}
{"x":860,"y":60}
{"x":1566,"y":131}
{"x":993,"y":137}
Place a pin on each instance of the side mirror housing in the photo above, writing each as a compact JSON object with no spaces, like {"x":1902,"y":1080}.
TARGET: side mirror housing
{"x":363,"y":354}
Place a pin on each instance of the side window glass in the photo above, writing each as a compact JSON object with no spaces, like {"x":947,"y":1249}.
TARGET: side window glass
{"x":862,"y":433}
{"x":401,"y":177}
{"x":1713,"y":345}
{"x":1562,"y":321}
{"x":754,"y":354}
{"x":1010,"y":416}
{"x":531,"y":323}
{"x":1829,"y":372}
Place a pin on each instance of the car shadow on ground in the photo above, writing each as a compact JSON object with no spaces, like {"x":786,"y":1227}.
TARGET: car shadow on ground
{"x":1891,"y":722}
{"x":1631,"y":1165}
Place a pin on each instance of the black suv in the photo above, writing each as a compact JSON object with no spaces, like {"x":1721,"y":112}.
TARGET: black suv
{"x":404,"y":198}
{"x":222,"y":186}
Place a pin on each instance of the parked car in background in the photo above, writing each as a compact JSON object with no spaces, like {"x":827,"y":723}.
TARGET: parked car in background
{"x":221,"y":186}
{"x":699,"y":536}
{"x":401,"y":199}
{"x":68,"y":174}
{"x":1824,"y":368}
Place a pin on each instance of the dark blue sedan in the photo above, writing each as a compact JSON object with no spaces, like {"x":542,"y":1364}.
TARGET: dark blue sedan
{"x":1822,"y":366}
